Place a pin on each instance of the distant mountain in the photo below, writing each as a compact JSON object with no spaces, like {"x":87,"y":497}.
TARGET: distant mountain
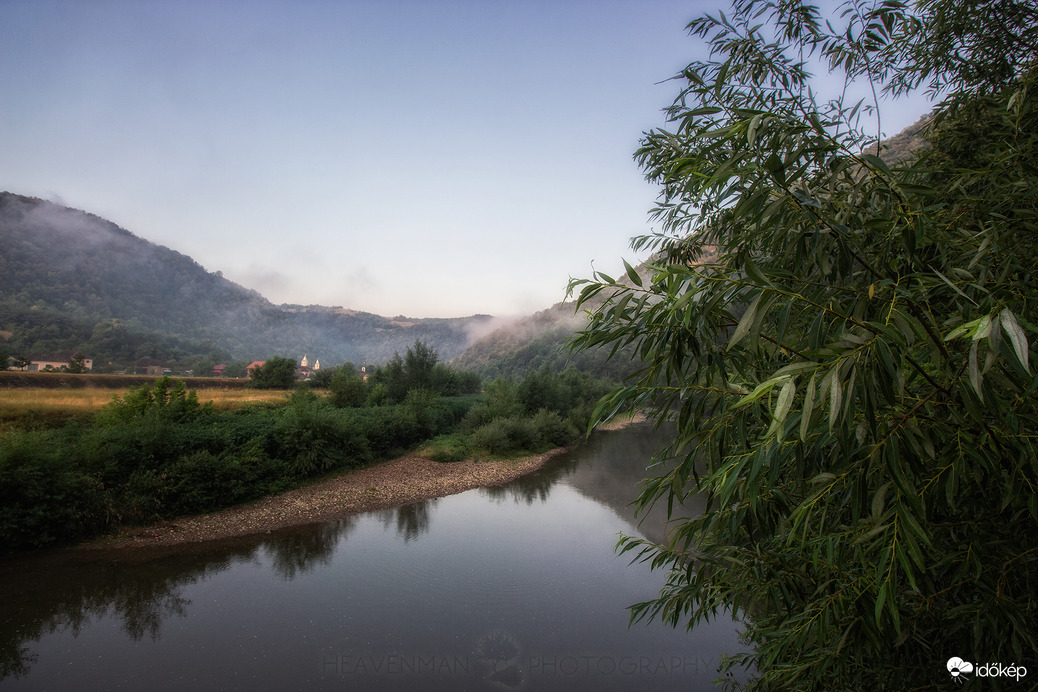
{"x":70,"y":281}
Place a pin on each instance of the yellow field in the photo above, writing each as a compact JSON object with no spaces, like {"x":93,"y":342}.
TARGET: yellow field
{"x":24,"y":406}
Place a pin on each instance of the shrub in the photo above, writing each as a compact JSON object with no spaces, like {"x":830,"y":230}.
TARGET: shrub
{"x":347,"y":389}
{"x":314,"y":439}
{"x":167,"y":399}
{"x":44,"y":497}
{"x":553,"y":430}
{"x":506,"y":435}
{"x":447,"y":448}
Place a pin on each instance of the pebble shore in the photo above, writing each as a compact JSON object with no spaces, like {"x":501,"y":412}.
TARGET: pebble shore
{"x":395,"y":483}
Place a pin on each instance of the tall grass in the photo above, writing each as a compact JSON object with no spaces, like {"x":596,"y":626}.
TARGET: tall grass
{"x":39,"y":408}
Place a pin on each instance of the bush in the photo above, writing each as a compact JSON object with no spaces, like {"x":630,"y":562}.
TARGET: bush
{"x":506,"y":436}
{"x":447,"y":448}
{"x":167,"y":399}
{"x":347,"y":389}
{"x":552,"y":430}
{"x":313,"y":438}
{"x":44,"y":497}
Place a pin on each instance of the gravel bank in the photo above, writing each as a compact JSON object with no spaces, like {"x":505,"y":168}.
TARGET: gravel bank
{"x":392,"y":484}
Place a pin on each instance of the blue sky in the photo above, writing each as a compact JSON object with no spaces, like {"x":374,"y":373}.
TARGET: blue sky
{"x":431,"y":158}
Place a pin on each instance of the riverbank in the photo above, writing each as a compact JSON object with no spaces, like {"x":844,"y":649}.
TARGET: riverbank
{"x":394,"y":483}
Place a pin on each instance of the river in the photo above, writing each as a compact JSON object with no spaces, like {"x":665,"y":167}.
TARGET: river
{"x":512,"y":588}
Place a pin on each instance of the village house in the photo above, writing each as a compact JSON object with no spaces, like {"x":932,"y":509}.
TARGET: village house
{"x":54,"y":363}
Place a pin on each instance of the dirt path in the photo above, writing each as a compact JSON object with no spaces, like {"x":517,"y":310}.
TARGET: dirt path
{"x":391,"y":484}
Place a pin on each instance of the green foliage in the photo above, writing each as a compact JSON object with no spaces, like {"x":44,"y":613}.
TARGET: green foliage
{"x":346,"y":388}
{"x":448,"y":448}
{"x":417,"y":404}
{"x":418,"y":369}
{"x":545,"y":410}
{"x":276,"y":373}
{"x":156,"y":453}
{"x":167,"y":400}
{"x":392,"y":378}
{"x":509,"y":435}
{"x":553,"y":430}
{"x":518,"y":434}
{"x":77,"y":364}
{"x":418,"y":366}
{"x":313,"y":438}
{"x":845,"y":344}
{"x":44,"y":497}
{"x":378,"y":396}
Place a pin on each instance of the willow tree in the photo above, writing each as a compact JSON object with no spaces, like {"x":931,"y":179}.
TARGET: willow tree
{"x":845,"y":342}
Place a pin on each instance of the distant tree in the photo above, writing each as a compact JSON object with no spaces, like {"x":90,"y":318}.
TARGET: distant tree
{"x":320,"y":379}
{"x":468,"y":382}
{"x":379,"y":395}
{"x":444,"y":380}
{"x":418,"y":365}
{"x":235,"y":370}
{"x":4,"y":360}
{"x":391,"y":376}
{"x":276,"y":373}
{"x":203,"y":366}
{"x":347,"y":388}
{"x":77,"y":364}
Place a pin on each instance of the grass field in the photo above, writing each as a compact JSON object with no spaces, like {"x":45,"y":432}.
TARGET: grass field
{"x":33,"y":407}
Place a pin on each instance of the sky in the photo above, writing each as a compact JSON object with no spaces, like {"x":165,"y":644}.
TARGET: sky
{"x":427,"y":158}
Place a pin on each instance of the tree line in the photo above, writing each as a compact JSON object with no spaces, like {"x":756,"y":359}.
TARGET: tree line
{"x":157,"y":452}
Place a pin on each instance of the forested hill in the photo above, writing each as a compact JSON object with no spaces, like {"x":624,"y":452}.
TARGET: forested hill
{"x":70,"y":280}
{"x":542,"y":340}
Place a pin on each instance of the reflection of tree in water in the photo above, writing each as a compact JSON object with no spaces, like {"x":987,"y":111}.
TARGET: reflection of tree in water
{"x":63,"y":592}
{"x":536,"y":487}
{"x":607,"y":468}
{"x":297,"y":553}
{"x":411,"y":520}
{"x":622,"y":461}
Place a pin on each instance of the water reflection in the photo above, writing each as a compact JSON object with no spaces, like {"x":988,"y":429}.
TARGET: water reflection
{"x":609,"y":468}
{"x":63,"y":593}
{"x":411,"y":521}
{"x":298,"y":552}
{"x":526,"y":570}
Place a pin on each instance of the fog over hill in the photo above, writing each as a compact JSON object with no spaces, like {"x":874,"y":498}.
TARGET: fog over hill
{"x":73,"y":281}
{"x":515,"y":347}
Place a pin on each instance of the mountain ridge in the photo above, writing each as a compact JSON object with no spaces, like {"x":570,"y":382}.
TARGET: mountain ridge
{"x":73,"y":281}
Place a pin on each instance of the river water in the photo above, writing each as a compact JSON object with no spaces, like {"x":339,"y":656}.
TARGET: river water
{"x":515,"y":588}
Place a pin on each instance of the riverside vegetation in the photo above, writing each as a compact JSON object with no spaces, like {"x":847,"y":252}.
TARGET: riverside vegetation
{"x":849,"y":343}
{"x":157,"y":452}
